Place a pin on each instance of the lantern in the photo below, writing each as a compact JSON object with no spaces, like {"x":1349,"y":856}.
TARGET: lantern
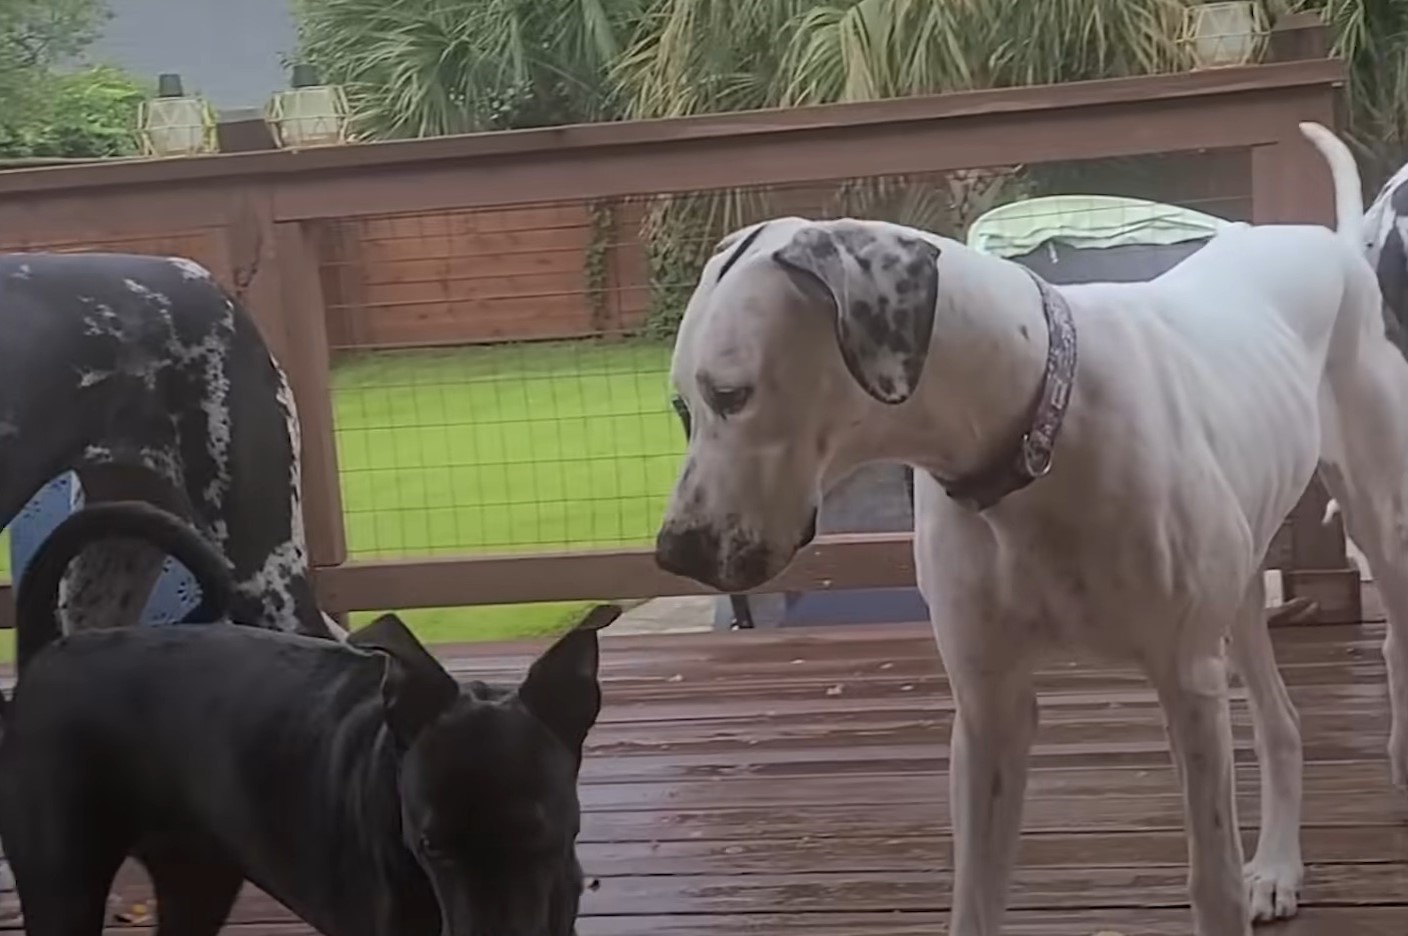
{"x":310,"y":113}
{"x":1225,"y":33}
{"x":175,"y":123}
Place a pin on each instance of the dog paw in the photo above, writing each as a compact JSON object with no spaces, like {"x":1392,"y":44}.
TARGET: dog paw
{"x":1398,"y":760}
{"x":1273,"y":889}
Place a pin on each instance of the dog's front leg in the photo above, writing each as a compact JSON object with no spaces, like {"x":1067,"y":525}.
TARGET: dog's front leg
{"x":1274,"y":875}
{"x":1193,"y":692}
{"x":993,"y":730}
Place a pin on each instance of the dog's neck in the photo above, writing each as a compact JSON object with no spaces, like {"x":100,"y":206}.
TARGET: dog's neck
{"x":983,"y":376}
{"x":352,"y":840}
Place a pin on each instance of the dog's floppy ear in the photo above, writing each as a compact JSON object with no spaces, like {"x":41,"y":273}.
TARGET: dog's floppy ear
{"x":415,"y":688}
{"x":561,"y":688}
{"x":883,"y":285}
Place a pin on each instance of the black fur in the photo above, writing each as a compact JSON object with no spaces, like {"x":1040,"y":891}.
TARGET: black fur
{"x":359,"y":786}
{"x":107,"y":364}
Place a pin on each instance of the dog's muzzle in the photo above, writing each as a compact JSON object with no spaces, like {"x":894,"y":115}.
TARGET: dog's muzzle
{"x":725,"y":563}
{"x":701,"y":554}
{"x":692,"y":552}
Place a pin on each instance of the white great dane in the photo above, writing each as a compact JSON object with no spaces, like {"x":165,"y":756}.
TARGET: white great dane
{"x":1102,"y":464}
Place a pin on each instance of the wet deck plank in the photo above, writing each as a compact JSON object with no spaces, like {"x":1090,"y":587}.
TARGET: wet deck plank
{"x":794,"y":782}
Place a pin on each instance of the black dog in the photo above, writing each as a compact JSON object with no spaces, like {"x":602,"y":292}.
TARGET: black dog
{"x":142,"y":376}
{"x":356,"y":783}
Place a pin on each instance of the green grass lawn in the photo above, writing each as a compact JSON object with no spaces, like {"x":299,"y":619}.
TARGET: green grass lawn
{"x":525,"y":448}
{"x":513,"y":448}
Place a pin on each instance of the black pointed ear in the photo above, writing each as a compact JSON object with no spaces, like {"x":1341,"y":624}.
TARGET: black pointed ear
{"x":562,"y":688}
{"x":883,"y":285}
{"x":415,"y":688}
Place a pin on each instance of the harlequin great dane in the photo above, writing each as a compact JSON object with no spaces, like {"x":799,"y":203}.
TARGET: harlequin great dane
{"x":142,"y":376}
{"x":1103,"y":464}
{"x":1386,"y":244}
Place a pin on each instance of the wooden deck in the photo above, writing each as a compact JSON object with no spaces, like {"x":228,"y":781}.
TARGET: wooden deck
{"x":793,"y":782}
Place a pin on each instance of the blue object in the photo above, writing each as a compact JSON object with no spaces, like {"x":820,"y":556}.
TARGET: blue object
{"x":175,"y":594}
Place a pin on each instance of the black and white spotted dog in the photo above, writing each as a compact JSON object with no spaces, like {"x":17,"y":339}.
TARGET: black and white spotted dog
{"x":1386,"y":245}
{"x":149,"y":382}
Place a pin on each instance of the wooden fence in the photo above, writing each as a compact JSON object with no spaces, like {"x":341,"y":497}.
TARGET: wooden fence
{"x":328,"y":249}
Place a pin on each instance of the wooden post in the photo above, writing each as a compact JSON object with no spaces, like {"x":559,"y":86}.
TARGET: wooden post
{"x":308,"y":363}
{"x":1299,"y":37}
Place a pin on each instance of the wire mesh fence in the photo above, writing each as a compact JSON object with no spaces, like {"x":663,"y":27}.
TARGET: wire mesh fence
{"x":501,"y":376}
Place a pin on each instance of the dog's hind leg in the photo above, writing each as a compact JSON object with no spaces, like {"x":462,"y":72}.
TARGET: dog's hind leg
{"x":107,"y":585}
{"x":194,"y":894}
{"x":1364,"y":463}
{"x":109,"y":582}
{"x":1375,"y":509}
{"x":1274,"y":874}
{"x":63,"y":890}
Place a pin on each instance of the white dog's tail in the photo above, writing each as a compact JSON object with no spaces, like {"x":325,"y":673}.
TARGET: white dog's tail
{"x":1349,"y":190}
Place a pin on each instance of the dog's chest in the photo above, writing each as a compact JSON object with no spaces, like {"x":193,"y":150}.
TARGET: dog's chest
{"x":1079,"y":583}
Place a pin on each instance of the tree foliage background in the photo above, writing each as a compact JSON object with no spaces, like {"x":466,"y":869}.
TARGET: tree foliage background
{"x":48,"y":109}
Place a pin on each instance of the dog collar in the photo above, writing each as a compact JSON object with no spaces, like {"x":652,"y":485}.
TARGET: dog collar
{"x":1032,"y":458}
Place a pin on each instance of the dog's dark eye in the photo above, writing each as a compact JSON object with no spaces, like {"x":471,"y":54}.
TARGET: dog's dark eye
{"x":430,"y":847}
{"x":729,"y":400}
{"x":682,"y":411}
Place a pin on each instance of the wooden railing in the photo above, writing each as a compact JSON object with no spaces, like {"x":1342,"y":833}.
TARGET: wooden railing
{"x":259,"y":221}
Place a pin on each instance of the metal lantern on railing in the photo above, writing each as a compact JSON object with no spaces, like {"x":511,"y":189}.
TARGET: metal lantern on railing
{"x":1224,"y":33}
{"x":310,"y":113}
{"x":175,"y":123}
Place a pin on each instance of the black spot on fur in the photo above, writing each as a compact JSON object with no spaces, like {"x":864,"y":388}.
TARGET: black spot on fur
{"x":885,"y":318}
{"x":1399,"y":200}
{"x":747,"y":558}
{"x":682,"y":411}
{"x":1393,"y":281}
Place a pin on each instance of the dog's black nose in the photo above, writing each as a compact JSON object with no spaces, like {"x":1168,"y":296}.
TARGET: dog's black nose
{"x":692,"y":552}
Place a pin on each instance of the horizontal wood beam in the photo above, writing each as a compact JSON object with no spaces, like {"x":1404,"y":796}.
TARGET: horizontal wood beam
{"x":794,"y":158}
{"x":870,"y":560}
{"x":1213,"y":108}
{"x":859,"y":560}
{"x":866,"y":561}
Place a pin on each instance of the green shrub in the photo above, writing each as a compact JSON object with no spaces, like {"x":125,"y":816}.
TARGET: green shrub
{"x":86,"y":114}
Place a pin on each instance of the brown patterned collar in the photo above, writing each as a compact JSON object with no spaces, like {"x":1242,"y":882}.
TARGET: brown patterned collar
{"x":1031,"y":458}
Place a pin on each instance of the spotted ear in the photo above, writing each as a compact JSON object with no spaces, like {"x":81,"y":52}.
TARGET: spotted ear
{"x":883,"y":286}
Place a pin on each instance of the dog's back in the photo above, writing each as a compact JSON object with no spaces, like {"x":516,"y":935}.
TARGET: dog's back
{"x":119,"y":345}
{"x":171,"y":723}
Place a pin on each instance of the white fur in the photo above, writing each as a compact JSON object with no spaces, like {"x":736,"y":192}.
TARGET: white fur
{"x":1203,"y":404}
